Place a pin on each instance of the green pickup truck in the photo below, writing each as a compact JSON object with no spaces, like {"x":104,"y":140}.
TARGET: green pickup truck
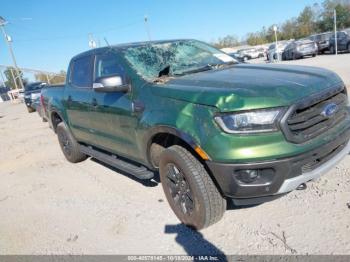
{"x":215,"y":130}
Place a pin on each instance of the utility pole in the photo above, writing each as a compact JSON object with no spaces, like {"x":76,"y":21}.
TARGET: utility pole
{"x":335,"y":32}
{"x":8,"y":40}
{"x":92,"y":42}
{"x":48,"y":79}
{"x":14,"y":79}
{"x":147,"y":28}
{"x":275,"y":30}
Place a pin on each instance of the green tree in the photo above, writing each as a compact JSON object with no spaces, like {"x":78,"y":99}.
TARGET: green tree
{"x":11,"y":73}
{"x":306,"y":24}
{"x":227,"y":41}
{"x":343,"y":15}
{"x":53,"y":78}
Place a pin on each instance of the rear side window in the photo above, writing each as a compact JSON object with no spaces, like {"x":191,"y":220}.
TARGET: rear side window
{"x":108,"y":65}
{"x":81,"y":75}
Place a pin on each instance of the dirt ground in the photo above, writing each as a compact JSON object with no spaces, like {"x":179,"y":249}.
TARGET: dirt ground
{"x":50,"y":206}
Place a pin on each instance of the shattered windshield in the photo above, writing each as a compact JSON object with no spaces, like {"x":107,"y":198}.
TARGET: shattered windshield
{"x":153,"y":60}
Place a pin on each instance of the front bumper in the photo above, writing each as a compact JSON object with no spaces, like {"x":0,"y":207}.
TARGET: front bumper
{"x":284,"y":175}
{"x":306,"y":53}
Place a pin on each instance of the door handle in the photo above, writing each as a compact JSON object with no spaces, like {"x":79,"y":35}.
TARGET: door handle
{"x":94,"y":102}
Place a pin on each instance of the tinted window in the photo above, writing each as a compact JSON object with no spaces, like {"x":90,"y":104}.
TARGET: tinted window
{"x":107,"y":65}
{"x":81,"y":75}
{"x":342,"y":35}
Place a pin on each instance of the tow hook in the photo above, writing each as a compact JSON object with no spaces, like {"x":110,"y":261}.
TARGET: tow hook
{"x":302,"y":186}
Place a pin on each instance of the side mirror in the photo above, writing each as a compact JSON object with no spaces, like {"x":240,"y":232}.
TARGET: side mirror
{"x":110,"y":84}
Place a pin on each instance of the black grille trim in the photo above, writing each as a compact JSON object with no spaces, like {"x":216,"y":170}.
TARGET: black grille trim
{"x":303,"y":121}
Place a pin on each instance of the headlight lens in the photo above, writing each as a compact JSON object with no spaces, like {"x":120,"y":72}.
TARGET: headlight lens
{"x":250,"y":122}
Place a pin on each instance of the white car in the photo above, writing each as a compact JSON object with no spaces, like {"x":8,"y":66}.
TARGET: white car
{"x":249,"y":53}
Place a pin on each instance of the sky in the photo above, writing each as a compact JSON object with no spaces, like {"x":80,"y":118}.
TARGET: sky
{"x":47,"y":33}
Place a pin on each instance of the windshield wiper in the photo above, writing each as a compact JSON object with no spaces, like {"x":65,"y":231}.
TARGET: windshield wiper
{"x":205,"y":68}
{"x":197,"y":70}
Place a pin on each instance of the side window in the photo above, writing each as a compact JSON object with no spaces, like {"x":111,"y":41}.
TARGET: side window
{"x":81,"y":75}
{"x":108,"y":65}
{"x":340,"y":35}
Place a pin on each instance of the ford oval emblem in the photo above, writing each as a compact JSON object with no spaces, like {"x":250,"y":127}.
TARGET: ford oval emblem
{"x":329,"y":110}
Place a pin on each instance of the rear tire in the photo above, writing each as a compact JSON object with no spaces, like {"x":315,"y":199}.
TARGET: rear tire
{"x":283,"y":57}
{"x":189,"y":189}
{"x":348,"y":47}
{"x":69,"y":145}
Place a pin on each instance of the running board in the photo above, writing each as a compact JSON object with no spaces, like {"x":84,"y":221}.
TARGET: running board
{"x":140,"y":172}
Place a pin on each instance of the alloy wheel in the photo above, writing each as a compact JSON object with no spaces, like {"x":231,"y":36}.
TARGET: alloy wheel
{"x":179,"y":189}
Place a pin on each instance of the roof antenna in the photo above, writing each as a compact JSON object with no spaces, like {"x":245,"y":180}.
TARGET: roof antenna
{"x":106,"y":42}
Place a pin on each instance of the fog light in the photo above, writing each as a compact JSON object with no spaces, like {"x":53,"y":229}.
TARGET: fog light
{"x":247,"y":175}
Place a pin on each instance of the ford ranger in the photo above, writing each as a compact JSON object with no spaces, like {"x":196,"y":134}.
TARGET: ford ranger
{"x":215,"y":130}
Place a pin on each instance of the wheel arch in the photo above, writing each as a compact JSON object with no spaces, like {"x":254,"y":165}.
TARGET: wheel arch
{"x":181,"y":138}
{"x":55,"y":118}
{"x":166,"y":136}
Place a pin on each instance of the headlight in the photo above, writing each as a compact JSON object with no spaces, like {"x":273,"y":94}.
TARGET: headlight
{"x":255,"y":121}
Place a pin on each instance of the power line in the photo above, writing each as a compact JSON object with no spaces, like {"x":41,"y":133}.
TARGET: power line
{"x":82,"y":35}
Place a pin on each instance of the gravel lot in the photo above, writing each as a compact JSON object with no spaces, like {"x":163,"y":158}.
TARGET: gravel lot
{"x":50,"y":206}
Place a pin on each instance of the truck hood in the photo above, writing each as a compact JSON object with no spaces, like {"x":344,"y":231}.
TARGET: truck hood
{"x":247,"y":86}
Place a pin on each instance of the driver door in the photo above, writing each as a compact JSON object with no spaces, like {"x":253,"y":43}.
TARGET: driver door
{"x":112,"y":120}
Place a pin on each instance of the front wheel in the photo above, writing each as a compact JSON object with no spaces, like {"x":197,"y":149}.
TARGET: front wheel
{"x":189,"y":189}
{"x":30,"y":109}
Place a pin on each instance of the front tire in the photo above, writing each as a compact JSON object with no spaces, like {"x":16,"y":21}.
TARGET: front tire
{"x":30,"y":109}
{"x":189,"y":189}
{"x":69,"y":145}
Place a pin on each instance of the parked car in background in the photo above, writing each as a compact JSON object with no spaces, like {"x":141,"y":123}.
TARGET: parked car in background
{"x":261,"y":51}
{"x":343,"y":42}
{"x":274,"y":52}
{"x":299,"y":49}
{"x":3,"y":93}
{"x":249,"y":53}
{"x":237,"y":56}
{"x":32,"y":92}
{"x":216,"y":130}
{"x":322,"y":41}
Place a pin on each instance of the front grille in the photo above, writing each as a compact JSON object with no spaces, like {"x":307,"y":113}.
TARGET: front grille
{"x":307,"y":121}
